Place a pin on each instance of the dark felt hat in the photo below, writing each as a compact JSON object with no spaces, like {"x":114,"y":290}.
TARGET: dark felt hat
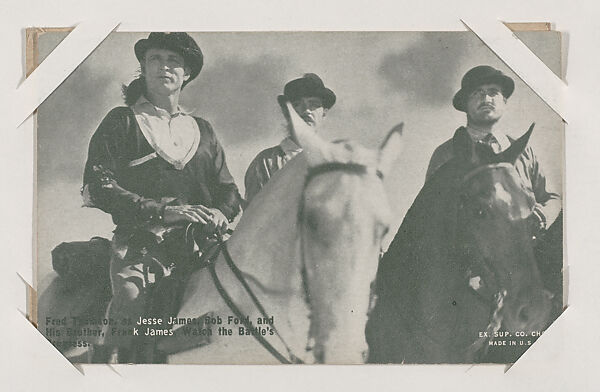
{"x":475,"y":77}
{"x":309,"y":85}
{"x":177,"y":42}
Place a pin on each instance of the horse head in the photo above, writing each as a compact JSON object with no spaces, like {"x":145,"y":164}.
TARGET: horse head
{"x":343,"y":216}
{"x":495,"y":240}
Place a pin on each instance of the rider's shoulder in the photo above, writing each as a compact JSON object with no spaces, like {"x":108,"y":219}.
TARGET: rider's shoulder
{"x":264,"y":160}
{"x":203,"y":123}
{"x":446,"y":148}
{"x":119,"y":112}
{"x":116,"y":119}
{"x":268,"y":154}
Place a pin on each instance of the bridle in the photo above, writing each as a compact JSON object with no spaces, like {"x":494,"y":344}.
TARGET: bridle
{"x":472,"y":173}
{"x":497,"y":302}
{"x":323,"y":168}
{"x":313,"y":172}
{"x":349,"y":167}
{"x":353,"y":168}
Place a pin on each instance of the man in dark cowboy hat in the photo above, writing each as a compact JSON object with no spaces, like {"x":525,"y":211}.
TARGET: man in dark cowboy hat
{"x":311,"y":100}
{"x":483,"y":97}
{"x":156,"y":169}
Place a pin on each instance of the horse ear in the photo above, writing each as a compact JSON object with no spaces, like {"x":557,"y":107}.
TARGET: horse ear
{"x":511,"y":154}
{"x":390,"y":148}
{"x":316,"y":150}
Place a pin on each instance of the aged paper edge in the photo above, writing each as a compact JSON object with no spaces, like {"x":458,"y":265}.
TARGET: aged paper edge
{"x":32,"y":34}
{"x":528,"y":66}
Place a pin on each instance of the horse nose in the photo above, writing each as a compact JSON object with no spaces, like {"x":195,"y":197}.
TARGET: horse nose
{"x":524,"y":315}
{"x":534,"y":312}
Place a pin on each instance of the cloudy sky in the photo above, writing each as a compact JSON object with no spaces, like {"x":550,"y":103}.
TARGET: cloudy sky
{"x":380,"y":79}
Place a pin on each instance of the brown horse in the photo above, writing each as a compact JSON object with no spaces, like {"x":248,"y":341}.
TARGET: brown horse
{"x":461,"y":270}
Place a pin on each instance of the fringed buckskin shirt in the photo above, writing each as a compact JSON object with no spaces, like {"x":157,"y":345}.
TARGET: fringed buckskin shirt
{"x":548,"y":201}
{"x":133,"y":173}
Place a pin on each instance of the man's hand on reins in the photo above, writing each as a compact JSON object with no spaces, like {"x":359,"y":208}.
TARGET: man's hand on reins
{"x":186,"y":213}
{"x":212,"y":219}
{"x":217,"y":223}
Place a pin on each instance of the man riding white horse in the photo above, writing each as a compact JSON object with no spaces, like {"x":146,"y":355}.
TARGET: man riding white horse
{"x":156,"y":169}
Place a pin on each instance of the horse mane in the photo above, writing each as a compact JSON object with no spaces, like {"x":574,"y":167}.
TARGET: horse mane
{"x":426,"y":234}
{"x":428,"y":226}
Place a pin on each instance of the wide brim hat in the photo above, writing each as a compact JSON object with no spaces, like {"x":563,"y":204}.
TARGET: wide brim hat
{"x":181,"y":43}
{"x":475,"y":77}
{"x":310,"y":85}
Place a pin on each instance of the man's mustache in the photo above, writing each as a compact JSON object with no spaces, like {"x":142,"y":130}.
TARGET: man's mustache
{"x":486,"y":105}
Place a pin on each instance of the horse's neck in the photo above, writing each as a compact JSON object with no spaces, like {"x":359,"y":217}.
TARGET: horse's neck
{"x":443,"y":308}
{"x":265,"y":239}
{"x":417,"y":268}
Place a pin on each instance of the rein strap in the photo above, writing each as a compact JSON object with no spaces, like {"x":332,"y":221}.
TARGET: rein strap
{"x":234,"y":308}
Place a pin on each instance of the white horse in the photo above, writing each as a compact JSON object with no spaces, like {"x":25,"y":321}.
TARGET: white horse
{"x":307,"y":247}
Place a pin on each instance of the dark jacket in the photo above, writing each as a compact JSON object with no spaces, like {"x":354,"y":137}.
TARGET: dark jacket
{"x":136,"y":195}
{"x":548,"y":200}
{"x":266,"y":163}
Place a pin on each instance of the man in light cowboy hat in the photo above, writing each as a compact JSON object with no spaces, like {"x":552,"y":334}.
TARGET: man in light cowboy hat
{"x":311,"y":100}
{"x":483,"y":97}
{"x":156,"y":169}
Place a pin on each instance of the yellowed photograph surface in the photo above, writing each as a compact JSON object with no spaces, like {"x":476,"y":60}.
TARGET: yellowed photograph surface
{"x":297,"y":197}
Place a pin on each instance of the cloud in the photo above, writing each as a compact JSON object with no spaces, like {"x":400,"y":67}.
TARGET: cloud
{"x":68,"y":118}
{"x":426,"y":72}
{"x":238,"y":96}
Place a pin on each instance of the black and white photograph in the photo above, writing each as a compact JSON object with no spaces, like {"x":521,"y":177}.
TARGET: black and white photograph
{"x":347,"y":197}
{"x":388,"y":195}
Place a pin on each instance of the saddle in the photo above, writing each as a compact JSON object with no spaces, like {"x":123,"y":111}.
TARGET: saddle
{"x":85,"y":265}
{"x":82,"y":262}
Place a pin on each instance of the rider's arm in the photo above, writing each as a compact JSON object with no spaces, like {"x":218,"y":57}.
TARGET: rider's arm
{"x":101,"y":176}
{"x":548,"y":201}
{"x":441,"y":155}
{"x":225,"y":192}
{"x":256,"y":177}
{"x":260,"y":170}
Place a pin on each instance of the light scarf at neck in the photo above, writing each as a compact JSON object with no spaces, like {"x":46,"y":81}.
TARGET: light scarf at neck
{"x":175,"y":137}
